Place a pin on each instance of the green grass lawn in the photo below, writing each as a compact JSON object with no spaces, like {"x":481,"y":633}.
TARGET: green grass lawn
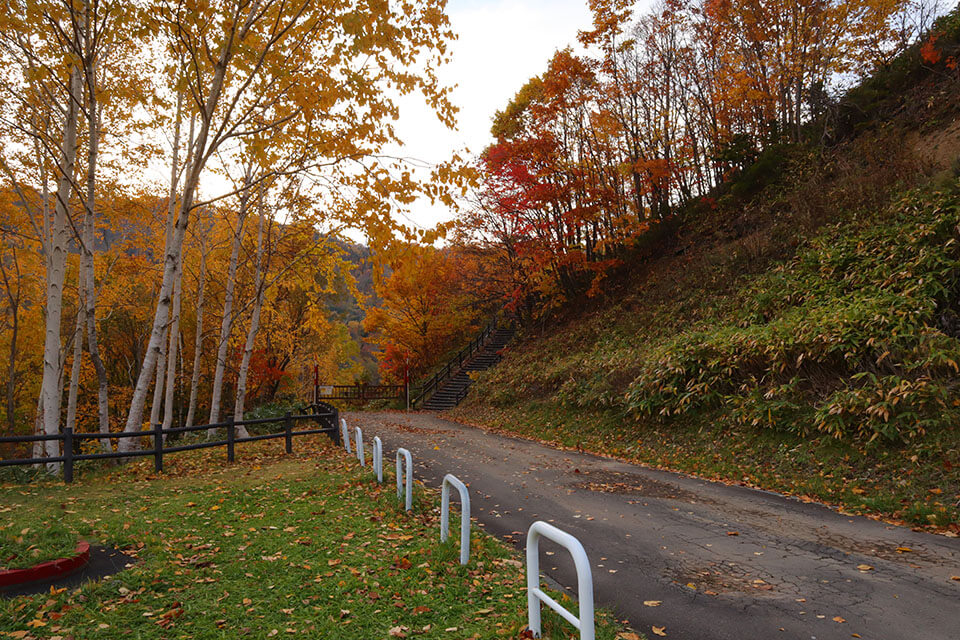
{"x":272,"y":546}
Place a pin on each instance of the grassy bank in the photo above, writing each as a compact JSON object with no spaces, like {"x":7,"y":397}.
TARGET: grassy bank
{"x":831,"y":374}
{"x":273,"y":545}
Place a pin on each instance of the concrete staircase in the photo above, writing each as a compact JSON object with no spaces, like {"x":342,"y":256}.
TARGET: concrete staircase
{"x":454,"y":389}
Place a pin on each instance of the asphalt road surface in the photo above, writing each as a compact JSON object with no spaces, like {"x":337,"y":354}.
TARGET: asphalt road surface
{"x":725,"y":562}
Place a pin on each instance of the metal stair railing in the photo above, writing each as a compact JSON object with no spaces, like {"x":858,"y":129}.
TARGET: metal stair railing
{"x":455,"y":364}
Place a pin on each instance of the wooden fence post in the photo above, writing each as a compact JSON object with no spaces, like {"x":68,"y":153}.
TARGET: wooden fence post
{"x":158,"y":447}
{"x":288,"y":432}
{"x":68,"y":455}
{"x":231,"y":438}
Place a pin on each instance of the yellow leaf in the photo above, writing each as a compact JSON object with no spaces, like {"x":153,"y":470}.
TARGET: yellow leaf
{"x":864,"y":567}
{"x":660,"y":631}
{"x":652,"y":603}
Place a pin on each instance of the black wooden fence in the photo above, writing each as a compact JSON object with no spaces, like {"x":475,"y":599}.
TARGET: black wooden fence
{"x":324,"y":415}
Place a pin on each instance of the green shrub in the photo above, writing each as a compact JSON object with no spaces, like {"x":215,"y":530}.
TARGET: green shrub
{"x":849,"y":327}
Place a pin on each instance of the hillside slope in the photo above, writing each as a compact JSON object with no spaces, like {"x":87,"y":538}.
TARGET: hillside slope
{"x":800,"y":332}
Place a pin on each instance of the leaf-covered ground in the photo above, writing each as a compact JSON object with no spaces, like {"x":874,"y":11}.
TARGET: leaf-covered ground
{"x":272,"y":546}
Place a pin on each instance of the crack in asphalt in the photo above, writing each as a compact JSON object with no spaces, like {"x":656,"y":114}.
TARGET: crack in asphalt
{"x":726,"y":562}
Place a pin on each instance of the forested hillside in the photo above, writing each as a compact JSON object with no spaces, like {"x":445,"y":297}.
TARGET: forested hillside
{"x":796,"y":326}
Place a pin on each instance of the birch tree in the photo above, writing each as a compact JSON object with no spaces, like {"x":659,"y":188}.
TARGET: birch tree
{"x":258,"y":292}
{"x":318,"y":71}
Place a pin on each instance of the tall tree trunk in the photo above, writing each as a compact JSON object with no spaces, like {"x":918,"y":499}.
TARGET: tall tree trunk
{"x":158,"y":378}
{"x":258,"y":288}
{"x":168,"y":409}
{"x":226,"y":325}
{"x":77,"y":357}
{"x":14,"y":302}
{"x":200,"y":152}
{"x":158,"y":389}
{"x":172,"y":351}
{"x":89,"y":224}
{"x":38,"y":423}
{"x":56,"y":259}
{"x":198,"y":340}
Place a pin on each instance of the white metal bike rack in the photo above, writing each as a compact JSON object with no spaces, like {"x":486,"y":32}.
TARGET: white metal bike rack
{"x":359,"y":440}
{"x":585,"y":623}
{"x":409,"y":479}
{"x":378,"y":458}
{"x":453,"y":480}
{"x":345,"y":433}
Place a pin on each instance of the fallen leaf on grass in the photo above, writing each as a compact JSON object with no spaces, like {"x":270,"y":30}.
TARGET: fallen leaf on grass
{"x":397,"y":632}
{"x":652,"y":603}
{"x":660,"y":631}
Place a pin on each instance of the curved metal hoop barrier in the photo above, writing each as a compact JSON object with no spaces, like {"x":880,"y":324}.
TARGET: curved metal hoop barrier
{"x":448,"y":481}
{"x":408,"y":503}
{"x":585,"y":623}
{"x":378,"y":458}
{"x":346,"y":435}
{"x":358,"y":438}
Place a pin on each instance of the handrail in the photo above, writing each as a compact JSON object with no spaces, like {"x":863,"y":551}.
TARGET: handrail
{"x":450,"y":368}
{"x":585,"y":622}
{"x":448,"y":481}
{"x":405,"y":483}
{"x":358,"y":438}
{"x":378,"y":458}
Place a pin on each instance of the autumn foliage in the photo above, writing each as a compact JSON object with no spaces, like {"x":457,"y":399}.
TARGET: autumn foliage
{"x":600,"y":149}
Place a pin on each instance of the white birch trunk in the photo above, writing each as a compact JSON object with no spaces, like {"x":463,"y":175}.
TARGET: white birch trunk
{"x":168,"y":410}
{"x":254,"y":325}
{"x":89,"y":224}
{"x":38,"y":422}
{"x":226,"y":325}
{"x":56,"y":259}
{"x":162,"y":313}
{"x":198,"y":339}
{"x":172,"y":352}
{"x":77,"y":357}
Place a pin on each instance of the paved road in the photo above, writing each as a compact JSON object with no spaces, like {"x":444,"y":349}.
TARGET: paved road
{"x":726,"y":562}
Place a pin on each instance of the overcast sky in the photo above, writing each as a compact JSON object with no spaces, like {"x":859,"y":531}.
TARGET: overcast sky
{"x":501,"y":44}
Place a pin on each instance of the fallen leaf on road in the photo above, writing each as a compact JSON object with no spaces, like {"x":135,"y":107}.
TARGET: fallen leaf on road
{"x":838,"y":619}
{"x":904,"y":549}
{"x":733,"y":533}
{"x":660,"y":631}
{"x":864,"y":567}
{"x":627,"y":635}
{"x":652,"y":603}
{"x":955,"y":578}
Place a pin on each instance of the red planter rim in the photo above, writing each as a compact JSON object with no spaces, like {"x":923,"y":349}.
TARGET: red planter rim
{"x":50,"y":570}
